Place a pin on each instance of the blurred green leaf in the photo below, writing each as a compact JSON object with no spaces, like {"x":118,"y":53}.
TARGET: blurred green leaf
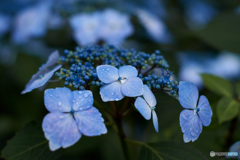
{"x":218,"y":85}
{"x":223,"y":33}
{"x":28,"y":144}
{"x":238,"y":89}
{"x":227,"y":109}
{"x":169,"y":151}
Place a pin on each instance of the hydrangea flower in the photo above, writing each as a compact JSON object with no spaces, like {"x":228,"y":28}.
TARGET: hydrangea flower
{"x":31,"y":22}
{"x":155,"y":27}
{"x":193,"y":117}
{"x":71,"y":115}
{"x":115,"y":26}
{"x":86,"y":28}
{"x":198,"y":13}
{"x":147,"y":105}
{"x":44,"y":74}
{"x":235,"y":148}
{"x":119,"y":82}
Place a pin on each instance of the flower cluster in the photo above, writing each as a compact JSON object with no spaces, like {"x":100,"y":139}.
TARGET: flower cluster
{"x":163,"y":81}
{"x":119,"y":73}
{"x":109,"y":25}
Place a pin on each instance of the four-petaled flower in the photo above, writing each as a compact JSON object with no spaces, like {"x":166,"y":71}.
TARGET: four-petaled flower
{"x":71,"y":115}
{"x":147,"y":106}
{"x":119,"y":83}
{"x":191,"y":121}
{"x":44,"y":74}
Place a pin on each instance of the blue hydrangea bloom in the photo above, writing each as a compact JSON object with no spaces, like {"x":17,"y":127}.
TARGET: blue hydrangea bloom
{"x":192,"y":118}
{"x":147,"y":106}
{"x":71,"y":115}
{"x":116,"y":26}
{"x":119,"y":82}
{"x":235,"y":148}
{"x":44,"y":74}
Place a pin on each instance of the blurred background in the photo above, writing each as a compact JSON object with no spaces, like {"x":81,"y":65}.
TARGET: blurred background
{"x":197,"y":36}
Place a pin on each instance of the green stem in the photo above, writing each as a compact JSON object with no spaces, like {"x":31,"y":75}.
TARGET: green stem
{"x":122,"y":138}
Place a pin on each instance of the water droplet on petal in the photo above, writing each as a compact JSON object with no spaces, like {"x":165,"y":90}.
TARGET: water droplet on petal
{"x":61,"y":116}
{"x":60,"y":103}
{"x":80,"y":92}
{"x":80,"y":108}
{"x":112,"y":93}
{"x":50,"y":95}
{"x":107,"y":69}
{"x":85,"y":95}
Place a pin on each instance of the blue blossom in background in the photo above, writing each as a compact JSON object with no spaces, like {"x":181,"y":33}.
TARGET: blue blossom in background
{"x":198,"y":13}
{"x":31,"y":22}
{"x":225,"y":65}
{"x":115,"y":26}
{"x":71,"y":115}
{"x":147,"y":105}
{"x":5,"y":22}
{"x":119,"y":82}
{"x":155,"y":27}
{"x":44,"y":74}
{"x":193,"y":117}
{"x":86,"y":27}
{"x":235,"y":148}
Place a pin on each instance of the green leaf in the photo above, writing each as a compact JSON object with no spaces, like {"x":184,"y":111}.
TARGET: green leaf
{"x":223,"y":32}
{"x":28,"y":144}
{"x":169,"y":151}
{"x":227,"y":109}
{"x":218,"y":85}
{"x":238,"y":89}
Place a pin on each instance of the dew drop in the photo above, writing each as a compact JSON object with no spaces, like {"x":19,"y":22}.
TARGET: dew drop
{"x":50,"y":95}
{"x":60,"y":103}
{"x":61,"y":116}
{"x":112,"y":93}
{"x":80,"y":108}
{"x":85,"y":95}
{"x":80,"y":92}
{"x":107,"y":69}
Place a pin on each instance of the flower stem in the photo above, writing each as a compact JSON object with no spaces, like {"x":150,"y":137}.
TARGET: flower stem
{"x":122,"y":137}
{"x":229,"y":137}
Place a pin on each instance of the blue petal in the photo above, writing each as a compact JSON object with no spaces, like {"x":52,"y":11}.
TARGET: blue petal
{"x":58,"y":100}
{"x":149,"y":96}
{"x":133,"y":87}
{"x":61,"y":130}
{"x":90,"y":122}
{"x":191,"y":125}
{"x":82,"y":100}
{"x":205,"y":111}
{"x":127,"y":71}
{"x":111,"y":92}
{"x":235,"y":148}
{"x":52,"y":59}
{"x":188,"y":94}
{"x":142,"y":106}
{"x":107,"y":73}
{"x":37,"y":82}
{"x":155,"y":120}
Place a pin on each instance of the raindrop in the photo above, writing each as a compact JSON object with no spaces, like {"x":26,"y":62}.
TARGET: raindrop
{"x":60,"y":103}
{"x":85,"y":95}
{"x":80,"y":92}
